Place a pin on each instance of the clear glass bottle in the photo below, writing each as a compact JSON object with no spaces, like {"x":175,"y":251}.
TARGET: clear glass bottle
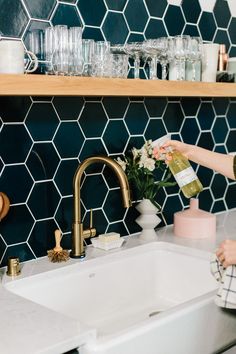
{"x":184,"y":175}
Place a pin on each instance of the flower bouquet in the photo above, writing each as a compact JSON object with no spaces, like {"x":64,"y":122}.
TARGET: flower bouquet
{"x":141,"y":167}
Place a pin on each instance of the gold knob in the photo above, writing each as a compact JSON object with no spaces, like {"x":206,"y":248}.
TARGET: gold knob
{"x":13,"y":266}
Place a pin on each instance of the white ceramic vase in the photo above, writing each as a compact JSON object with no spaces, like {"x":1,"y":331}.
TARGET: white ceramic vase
{"x":147,"y":219}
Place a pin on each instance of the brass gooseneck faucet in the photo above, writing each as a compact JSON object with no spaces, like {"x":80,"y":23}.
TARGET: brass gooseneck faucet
{"x":78,"y":232}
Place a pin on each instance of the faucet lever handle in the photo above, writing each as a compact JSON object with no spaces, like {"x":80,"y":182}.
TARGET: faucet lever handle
{"x":91,"y":219}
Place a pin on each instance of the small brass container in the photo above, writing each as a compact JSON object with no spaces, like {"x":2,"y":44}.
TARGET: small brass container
{"x":13,"y":266}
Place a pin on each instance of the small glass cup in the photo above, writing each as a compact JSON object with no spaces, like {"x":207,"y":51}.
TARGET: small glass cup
{"x":119,"y":65}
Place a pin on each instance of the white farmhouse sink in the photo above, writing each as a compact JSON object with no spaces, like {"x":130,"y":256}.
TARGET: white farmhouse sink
{"x":155,"y":295}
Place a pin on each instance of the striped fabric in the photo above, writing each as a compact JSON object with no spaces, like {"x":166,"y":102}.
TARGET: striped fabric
{"x":226,"y":294}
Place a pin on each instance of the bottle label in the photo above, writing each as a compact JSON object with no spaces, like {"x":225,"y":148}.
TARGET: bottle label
{"x":185,"y":177}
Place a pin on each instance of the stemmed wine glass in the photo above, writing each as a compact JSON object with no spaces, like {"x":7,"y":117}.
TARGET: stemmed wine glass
{"x":177,"y":52}
{"x":163,"y":45}
{"x":152,"y":51}
{"x":194,"y":55}
{"x":133,"y":49}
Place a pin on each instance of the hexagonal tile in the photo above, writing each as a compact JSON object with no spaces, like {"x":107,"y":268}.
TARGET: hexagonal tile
{"x":206,"y":116}
{"x":218,"y":186}
{"x":22,"y":251}
{"x":113,"y":207}
{"x":230,"y":196}
{"x":16,"y":183}
{"x":40,"y":8}
{"x":64,"y":214}
{"x":116,"y":5}
{"x":136,"y":118}
{"x":172,"y":205}
{"x":205,"y":175}
{"x":16,"y":227}
{"x":156,"y":9}
{"x":93,"y":119}
{"x":42,"y":237}
{"x":207,"y":26}
{"x":174,"y":27}
{"x":64,"y":176}
{"x":92,"y":148}
{"x":42,"y":121}
{"x":68,"y":108}
{"x":173,"y":110}
{"x":15,"y":142}
{"x":66,"y":15}
{"x":231,"y":115}
{"x":65,"y":144}
{"x":191,"y":9}
{"x":155,"y":106}
{"x":14,"y":109}
{"x":220,"y":130}
{"x":155,"y":129}
{"x":206,"y":141}
{"x":90,"y":199}
{"x":114,"y":142}
{"x":113,"y":21}
{"x":43,"y":200}
{"x":205,"y":200}
{"x":190,"y":105}
{"x":190,"y":125}
{"x":231,"y":30}
{"x":191,"y":30}
{"x":42,"y":161}
{"x":94,"y":33}
{"x":230,"y":142}
{"x":135,"y":141}
{"x":218,"y":206}
{"x":115,"y":106}
{"x":222,"y":13}
{"x":220,"y":104}
{"x":96,"y":13}
{"x":155,"y":29}
{"x":13,"y":18}
{"x":136,"y":9}
{"x":222,"y":37}
{"x":220,"y":148}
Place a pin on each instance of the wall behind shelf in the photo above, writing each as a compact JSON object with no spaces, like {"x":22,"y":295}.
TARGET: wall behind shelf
{"x":42,"y":140}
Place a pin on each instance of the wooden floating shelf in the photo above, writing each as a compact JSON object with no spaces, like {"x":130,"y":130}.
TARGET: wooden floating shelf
{"x":44,"y":85}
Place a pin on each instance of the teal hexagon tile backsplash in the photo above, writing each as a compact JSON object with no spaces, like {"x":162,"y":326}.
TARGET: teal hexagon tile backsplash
{"x":43,"y":139}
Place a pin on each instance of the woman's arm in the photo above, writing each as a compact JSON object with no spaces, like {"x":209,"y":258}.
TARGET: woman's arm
{"x":221,"y":163}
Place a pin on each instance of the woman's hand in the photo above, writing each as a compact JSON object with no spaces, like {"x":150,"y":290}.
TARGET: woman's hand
{"x":226,"y":253}
{"x":183,"y":148}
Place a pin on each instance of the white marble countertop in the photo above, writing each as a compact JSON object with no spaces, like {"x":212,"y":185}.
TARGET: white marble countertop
{"x":28,"y":328}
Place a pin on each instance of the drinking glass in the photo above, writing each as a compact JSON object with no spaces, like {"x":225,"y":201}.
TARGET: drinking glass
{"x":119,"y":65}
{"x":87,"y":56}
{"x":101,"y":59}
{"x":49,"y":48}
{"x":60,"y":58}
{"x":133,"y":49}
{"x":75,"y":51}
